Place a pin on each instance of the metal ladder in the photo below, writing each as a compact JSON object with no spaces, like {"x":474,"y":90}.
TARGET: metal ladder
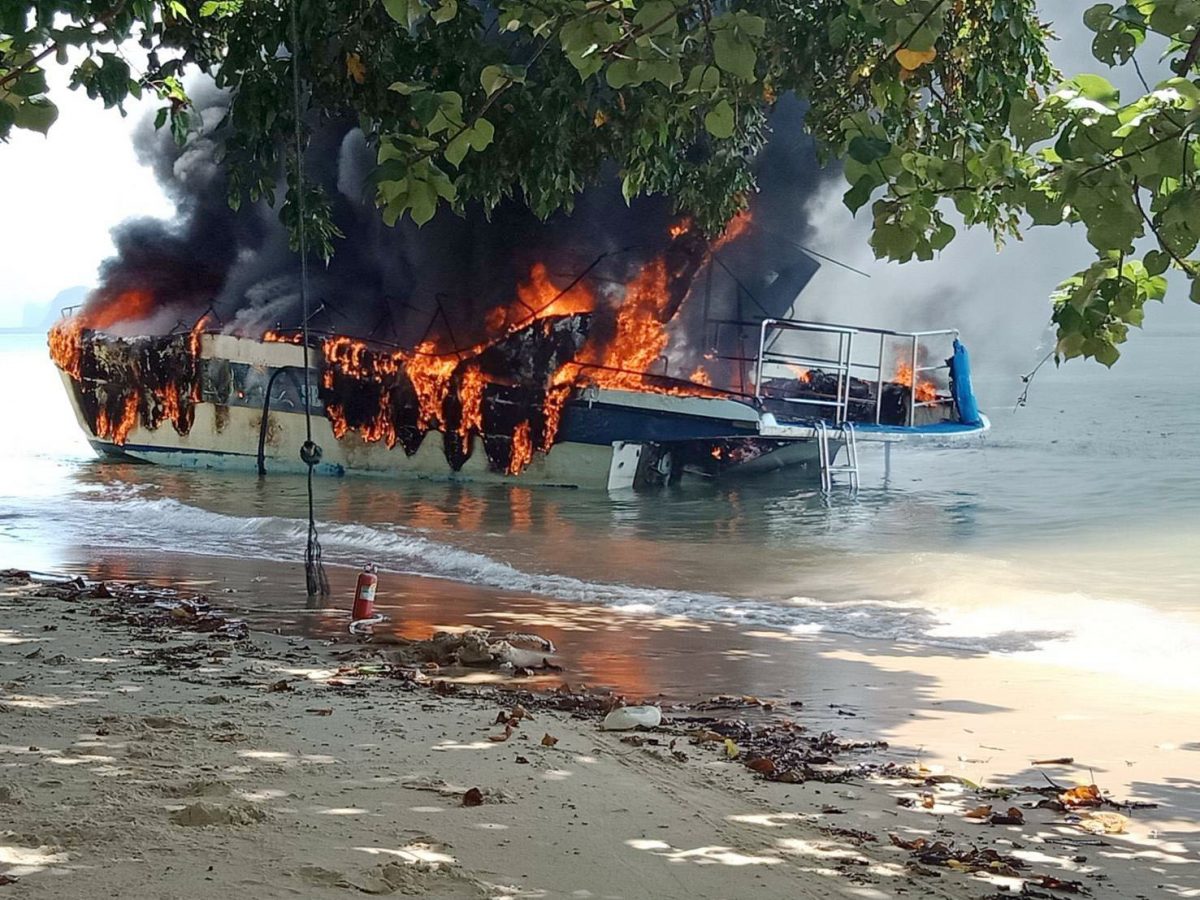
{"x":827,"y":454}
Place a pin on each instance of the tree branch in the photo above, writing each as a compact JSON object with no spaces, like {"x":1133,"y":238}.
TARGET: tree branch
{"x":27,"y":66}
{"x":1189,"y":58}
{"x":20,"y":70}
{"x":1186,"y":265}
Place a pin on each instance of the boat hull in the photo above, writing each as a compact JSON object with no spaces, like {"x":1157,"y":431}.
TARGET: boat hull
{"x":608,"y":439}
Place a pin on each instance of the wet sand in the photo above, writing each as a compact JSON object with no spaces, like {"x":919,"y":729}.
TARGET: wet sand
{"x":980,"y":716}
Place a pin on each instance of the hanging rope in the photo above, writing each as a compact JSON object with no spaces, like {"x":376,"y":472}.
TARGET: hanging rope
{"x":310,"y":452}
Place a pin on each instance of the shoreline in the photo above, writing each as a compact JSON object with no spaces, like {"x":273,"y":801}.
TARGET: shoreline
{"x":310,"y":781}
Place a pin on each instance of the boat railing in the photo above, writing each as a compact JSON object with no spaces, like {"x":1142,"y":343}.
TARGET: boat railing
{"x":845,"y":366}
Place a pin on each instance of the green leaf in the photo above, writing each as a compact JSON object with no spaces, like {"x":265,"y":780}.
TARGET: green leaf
{"x":180,"y":123}
{"x":392,"y":188}
{"x":1194,"y":291}
{"x":475,"y":138}
{"x":623,"y":73}
{"x":445,"y":12}
{"x":446,"y":189}
{"x":1157,"y":262}
{"x":719,"y":120}
{"x":942,"y":235}
{"x":492,"y":78}
{"x":112,"y":81}
{"x":734,"y":53}
{"x":407,"y":88}
{"x":1028,"y":124}
{"x":867,"y":150}
{"x":8,"y":115}
{"x":515,"y":74}
{"x":836,"y":31}
{"x":1098,"y":17}
{"x":423,"y":200}
{"x":629,"y":187}
{"x":456,"y":150}
{"x":27,"y":84}
{"x":408,"y":13}
{"x":859,"y":194}
{"x":37,"y":114}
{"x":710,"y":78}
{"x":482,"y":135}
{"x":755,"y":26}
{"x":1097,"y":88}
{"x":1107,"y":354}
{"x":220,"y":8}
{"x":397,"y":9}
{"x":448,"y":114}
{"x":664,"y":71}
{"x":658,"y":16}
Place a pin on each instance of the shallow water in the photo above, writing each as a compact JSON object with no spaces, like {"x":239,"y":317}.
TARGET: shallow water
{"x":1069,"y":533}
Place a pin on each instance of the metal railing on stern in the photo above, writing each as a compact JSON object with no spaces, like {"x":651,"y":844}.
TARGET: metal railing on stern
{"x":837,"y":359}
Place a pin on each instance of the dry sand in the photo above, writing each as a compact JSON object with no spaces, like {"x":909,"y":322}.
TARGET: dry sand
{"x":133,"y":766}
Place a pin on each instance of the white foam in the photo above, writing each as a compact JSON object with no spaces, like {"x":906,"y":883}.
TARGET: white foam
{"x":169,"y":525}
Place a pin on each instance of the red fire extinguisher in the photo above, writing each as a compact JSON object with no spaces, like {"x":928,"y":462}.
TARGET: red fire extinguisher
{"x":364,"y":594}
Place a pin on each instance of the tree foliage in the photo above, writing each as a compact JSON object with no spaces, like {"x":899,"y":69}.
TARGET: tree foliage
{"x":939,"y":111}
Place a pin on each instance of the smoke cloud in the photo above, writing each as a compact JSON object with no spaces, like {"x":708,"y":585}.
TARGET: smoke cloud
{"x":405,"y":284}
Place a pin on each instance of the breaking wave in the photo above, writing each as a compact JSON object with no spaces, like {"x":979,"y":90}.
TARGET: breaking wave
{"x":169,"y":525}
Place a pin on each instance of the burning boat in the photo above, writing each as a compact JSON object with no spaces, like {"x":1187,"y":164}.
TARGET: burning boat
{"x":614,"y":345}
{"x":573,"y":383}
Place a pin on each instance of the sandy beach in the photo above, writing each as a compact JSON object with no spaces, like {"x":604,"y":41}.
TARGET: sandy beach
{"x":145,"y":759}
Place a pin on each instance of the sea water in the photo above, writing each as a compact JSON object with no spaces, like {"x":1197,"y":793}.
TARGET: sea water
{"x":1070,"y":532}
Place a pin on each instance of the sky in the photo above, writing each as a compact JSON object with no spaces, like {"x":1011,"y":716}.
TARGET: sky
{"x":63,"y":193}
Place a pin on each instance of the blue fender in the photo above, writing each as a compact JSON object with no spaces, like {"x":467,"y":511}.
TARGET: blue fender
{"x":960,"y":386}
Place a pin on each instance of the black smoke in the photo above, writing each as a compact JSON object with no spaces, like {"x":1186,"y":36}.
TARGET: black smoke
{"x":403,"y":284}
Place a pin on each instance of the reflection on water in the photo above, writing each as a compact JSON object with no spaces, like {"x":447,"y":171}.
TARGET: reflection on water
{"x":636,"y":655}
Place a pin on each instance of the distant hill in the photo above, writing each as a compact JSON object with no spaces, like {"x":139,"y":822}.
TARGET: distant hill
{"x":40,"y":316}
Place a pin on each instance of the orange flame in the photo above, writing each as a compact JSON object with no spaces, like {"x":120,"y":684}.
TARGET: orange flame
{"x":354,"y":359}
{"x":522,"y":449}
{"x":641,"y":336}
{"x":430,"y":376}
{"x":119,"y":430}
{"x":66,"y":345}
{"x":170,"y":406}
{"x":294,"y":337}
{"x":926,"y":390}
{"x":556,"y":399}
{"x":470,"y":393}
{"x":680,"y":228}
{"x":66,"y":335}
{"x":539,"y":298}
{"x":736,"y":227}
{"x":164,"y":397}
